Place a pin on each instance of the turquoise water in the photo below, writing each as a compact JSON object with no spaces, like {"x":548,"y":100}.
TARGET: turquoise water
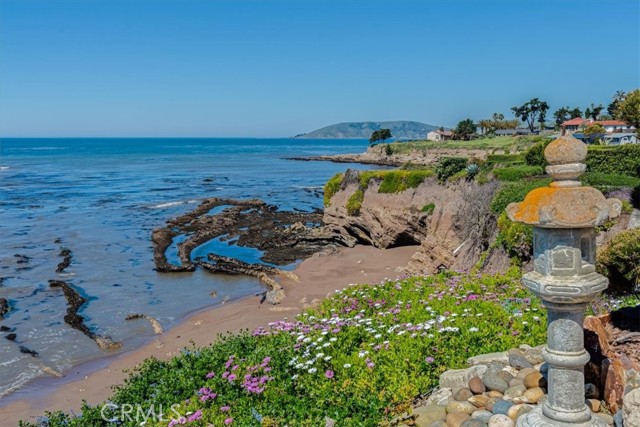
{"x":102,"y":198}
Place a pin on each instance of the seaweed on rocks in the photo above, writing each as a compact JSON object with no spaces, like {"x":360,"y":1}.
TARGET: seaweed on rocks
{"x":4,"y":307}
{"x":281,"y":235}
{"x":28,"y":351}
{"x":67,"y":255}
{"x":72,"y":318}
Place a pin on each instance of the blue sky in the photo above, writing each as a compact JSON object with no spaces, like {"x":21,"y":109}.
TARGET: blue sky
{"x":281,"y":67}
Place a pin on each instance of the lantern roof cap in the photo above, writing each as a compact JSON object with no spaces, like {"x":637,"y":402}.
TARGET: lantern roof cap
{"x":565,"y":203}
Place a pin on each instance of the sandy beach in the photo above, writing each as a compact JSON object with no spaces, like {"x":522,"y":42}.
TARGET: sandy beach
{"x":319,"y":276}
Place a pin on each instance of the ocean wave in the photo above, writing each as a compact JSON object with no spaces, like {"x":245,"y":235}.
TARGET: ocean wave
{"x":308,"y":187}
{"x":4,"y":168}
{"x":38,"y":148}
{"x":167,"y":205}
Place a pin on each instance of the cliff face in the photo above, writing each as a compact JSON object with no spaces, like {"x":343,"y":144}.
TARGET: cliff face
{"x":398,"y":219}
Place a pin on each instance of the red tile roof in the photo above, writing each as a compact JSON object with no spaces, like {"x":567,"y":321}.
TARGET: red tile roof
{"x":576,"y":121}
{"x":612,"y":123}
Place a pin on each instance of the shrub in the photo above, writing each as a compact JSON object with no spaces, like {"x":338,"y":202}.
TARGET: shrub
{"x":535,"y":155}
{"x":516,"y":173}
{"x":394,"y":181}
{"x":388,"y":150}
{"x":635,"y":197}
{"x":417,"y":177}
{"x":428,"y":208}
{"x":620,"y":261}
{"x":459,"y":175}
{"x":331,"y":188}
{"x":598,"y":179}
{"x":621,"y":160}
{"x":505,"y":159}
{"x":354,"y":203}
{"x":449,"y":166}
{"x":516,"y":238}
{"x":515,"y":192}
{"x":366,"y":176}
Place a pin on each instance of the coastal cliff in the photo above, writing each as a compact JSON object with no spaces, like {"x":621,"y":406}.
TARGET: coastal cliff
{"x":450,"y":221}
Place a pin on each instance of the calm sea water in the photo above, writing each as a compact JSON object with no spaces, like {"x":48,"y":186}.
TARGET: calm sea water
{"x":102,"y":198}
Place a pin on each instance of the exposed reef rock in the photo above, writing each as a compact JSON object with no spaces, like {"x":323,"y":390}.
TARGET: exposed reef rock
{"x":67,"y":255}
{"x":4,"y":307}
{"x":274,"y":294}
{"x":72,"y":318}
{"x":25,"y":350}
{"x":157,"y":328}
{"x":377,"y":155}
{"x":283,"y":236}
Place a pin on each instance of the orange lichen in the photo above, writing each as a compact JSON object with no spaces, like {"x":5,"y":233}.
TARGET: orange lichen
{"x":582,"y":206}
{"x":529,"y":211}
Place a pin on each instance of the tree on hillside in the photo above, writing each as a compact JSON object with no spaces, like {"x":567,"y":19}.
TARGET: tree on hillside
{"x":531,"y":111}
{"x":380,"y":135}
{"x":465,"y":130}
{"x":593,"y":112}
{"x":617,"y":98}
{"x":628,"y":109}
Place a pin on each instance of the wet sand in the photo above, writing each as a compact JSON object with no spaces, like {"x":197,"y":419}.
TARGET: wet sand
{"x":319,"y":276}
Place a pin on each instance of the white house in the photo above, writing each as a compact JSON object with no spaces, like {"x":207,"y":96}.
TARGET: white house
{"x":620,"y":138}
{"x":439,"y":135}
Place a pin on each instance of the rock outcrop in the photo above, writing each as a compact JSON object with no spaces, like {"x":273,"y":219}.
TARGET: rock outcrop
{"x":452,"y":234}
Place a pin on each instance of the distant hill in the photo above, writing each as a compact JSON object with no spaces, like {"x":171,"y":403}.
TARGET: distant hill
{"x":400,"y":129}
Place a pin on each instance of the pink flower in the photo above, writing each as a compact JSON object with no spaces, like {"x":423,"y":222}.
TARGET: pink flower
{"x":211,"y":375}
{"x":225,"y":408}
{"x":228,"y":421}
{"x":429,"y":359}
{"x":195,"y":416}
{"x":329,"y":374}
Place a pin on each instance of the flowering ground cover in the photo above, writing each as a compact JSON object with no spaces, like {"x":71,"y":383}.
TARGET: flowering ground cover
{"x":359,"y":358}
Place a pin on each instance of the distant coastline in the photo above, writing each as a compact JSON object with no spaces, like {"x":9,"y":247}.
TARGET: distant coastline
{"x":401,"y":130}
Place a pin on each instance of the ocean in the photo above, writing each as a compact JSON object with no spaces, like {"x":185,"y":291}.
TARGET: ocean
{"x":101,"y":198}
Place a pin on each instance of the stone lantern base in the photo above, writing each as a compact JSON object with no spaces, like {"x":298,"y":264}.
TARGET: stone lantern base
{"x":536,"y":418}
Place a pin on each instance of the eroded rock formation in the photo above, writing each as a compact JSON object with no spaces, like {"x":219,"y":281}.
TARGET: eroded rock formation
{"x":452,"y":235}
{"x":72,"y":318}
{"x":66,"y":254}
{"x":283,"y":237}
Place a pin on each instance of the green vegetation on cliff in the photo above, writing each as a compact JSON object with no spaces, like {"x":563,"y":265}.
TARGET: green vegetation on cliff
{"x":331,"y":187}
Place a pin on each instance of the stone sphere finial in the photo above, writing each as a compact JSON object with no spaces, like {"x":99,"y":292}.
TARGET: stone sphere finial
{"x":566,"y":156}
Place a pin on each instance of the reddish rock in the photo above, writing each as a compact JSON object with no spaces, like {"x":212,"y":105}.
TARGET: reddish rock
{"x":613,"y":372}
{"x":595,"y":325}
{"x":476,"y":385}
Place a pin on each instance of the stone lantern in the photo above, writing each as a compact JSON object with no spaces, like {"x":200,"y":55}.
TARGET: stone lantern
{"x":563,"y":216}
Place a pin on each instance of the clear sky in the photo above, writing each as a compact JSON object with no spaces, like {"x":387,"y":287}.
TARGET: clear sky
{"x":281,"y":67}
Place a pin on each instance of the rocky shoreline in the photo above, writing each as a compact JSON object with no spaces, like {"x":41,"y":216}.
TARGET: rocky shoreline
{"x":284,"y":237}
{"x":377,"y":155}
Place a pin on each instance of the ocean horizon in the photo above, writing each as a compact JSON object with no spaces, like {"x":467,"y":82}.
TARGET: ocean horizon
{"x":101,"y":198}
